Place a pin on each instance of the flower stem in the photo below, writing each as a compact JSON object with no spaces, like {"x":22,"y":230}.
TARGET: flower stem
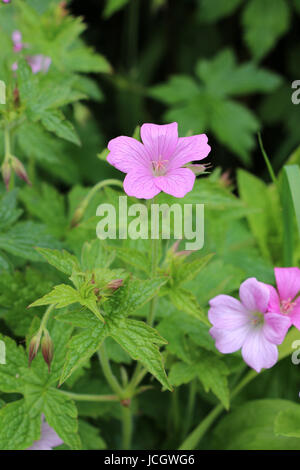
{"x":110,"y":377}
{"x":84,"y":204}
{"x":155,"y":255}
{"x":190,"y":408}
{"x":194,"y":438}
{"x":126,"y":427}
{"x":87,"y":397}
{"x":46,"y":317}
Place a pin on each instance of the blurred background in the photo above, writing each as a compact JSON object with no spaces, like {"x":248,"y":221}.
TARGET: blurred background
{"x":223,"y":67}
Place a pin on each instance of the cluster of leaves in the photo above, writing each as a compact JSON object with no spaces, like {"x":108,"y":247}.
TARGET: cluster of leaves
{"x":47,"y":261}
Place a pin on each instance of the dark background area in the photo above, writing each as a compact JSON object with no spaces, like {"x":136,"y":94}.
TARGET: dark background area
{"x":146,"y":45}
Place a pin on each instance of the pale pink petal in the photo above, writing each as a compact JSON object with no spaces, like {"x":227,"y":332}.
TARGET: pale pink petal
{"x":229,"y":341}
{"x":127,"y":154}
{"x":227,"y":313}
{"x":189,"y":149}
{"x":295,"y":314}
{"x":160,"y":141}
{"x":140,"y":184}
{"x":49,"y":436}
{"x":176,"y":182}
{"x":288,"y":282}
{"x":258,"y":352}
{"x":275,"y":327}
{"x":254,"y":295}
{"x":274,"y":301}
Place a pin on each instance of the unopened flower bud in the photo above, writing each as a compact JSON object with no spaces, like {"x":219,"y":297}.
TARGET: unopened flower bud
{"x":198,"y":168}
{"x":33,"y":347}
{"x":115,"y":284}
{"x":47,"y":349}
{"x":6,"y":173}
{"x":19,"y":169}
{"x":77,"y":216}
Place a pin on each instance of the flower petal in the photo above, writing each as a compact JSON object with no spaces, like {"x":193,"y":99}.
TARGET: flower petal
{"x":288,"y":282}
{"x":258,"y":352}
{"x":229,"y":341}
{"x":274,"y":301}
{"x":295,"y":314}
{"x":160,"y":141}
{"x":140,"y":184}
{"x":127,"y":154}
{"x":176,"y":182}
{"x":227,"y":313}
{"x":254,"y":295}
{"x":50,"y":437}
{"x":189,"y":149}
{"x":275,"y":327}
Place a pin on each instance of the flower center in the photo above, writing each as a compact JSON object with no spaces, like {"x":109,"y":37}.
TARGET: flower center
{"x":257,"y":319}
{"x":159,"y":166}
{"x":286,"y":306}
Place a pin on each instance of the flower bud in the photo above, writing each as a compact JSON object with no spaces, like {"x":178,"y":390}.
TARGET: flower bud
{"x":19,"y":169}
{"x":33,"y":347}
{"x":6,"y":173}
{"x":115,"y":284}
{"x":77,"y":216}
{"x":198,"y":168}
{"x":47,"y":348}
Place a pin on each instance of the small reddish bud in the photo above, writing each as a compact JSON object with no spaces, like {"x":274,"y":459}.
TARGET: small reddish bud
{"x":19,"y":169}
{"x":47,"y":349}
{"x":6,"y":173}
{"x":33,"y":347}
{"x":115,"y":284}
{"x":226,"y":178}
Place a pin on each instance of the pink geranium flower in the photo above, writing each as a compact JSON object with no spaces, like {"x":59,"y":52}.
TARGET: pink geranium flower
{"x":48,"y":440}
{"x":246,"y":325}
{"x":37,"y":63}
{"x":284,"y":300}
{"x":157,"y":164}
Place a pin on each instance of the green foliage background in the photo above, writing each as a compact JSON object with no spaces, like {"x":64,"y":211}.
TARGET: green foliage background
{"x":223,"y":67}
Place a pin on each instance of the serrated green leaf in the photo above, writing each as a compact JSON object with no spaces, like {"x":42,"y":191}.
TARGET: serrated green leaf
{"x":61,"y":260}
{"x":140,"y":341}
{"x":18,"y":430}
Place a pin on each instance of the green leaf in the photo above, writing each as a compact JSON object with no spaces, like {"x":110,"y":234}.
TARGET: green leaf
{"x":234,"y":125}
{"x":185,"y":301}
{"x":132,"y":296}
{"x":22,"y":239}
{"x":10,"y":375}
{"x":61,"y":414}
{"x":61,"y":296}
{"x":290,"y":201}
{"x":213,"y":10}
{"x":54,"y":121}
{"x":90,"y":436}
{"x":179,"y":88}
{"x":2,"y":93}
{"x":141,"y":342}
{"x":264,"y":25}
{"x":112,"y":6}
{"x":61,"y":260}
{"x":18,"y":429}
{"x":253,"y":192}
{"x":224,"y":77}
{"x":287,"y":423}
{"x":8,"y":210}
{"x":251,"y":427}
{"x":81,"y":347}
